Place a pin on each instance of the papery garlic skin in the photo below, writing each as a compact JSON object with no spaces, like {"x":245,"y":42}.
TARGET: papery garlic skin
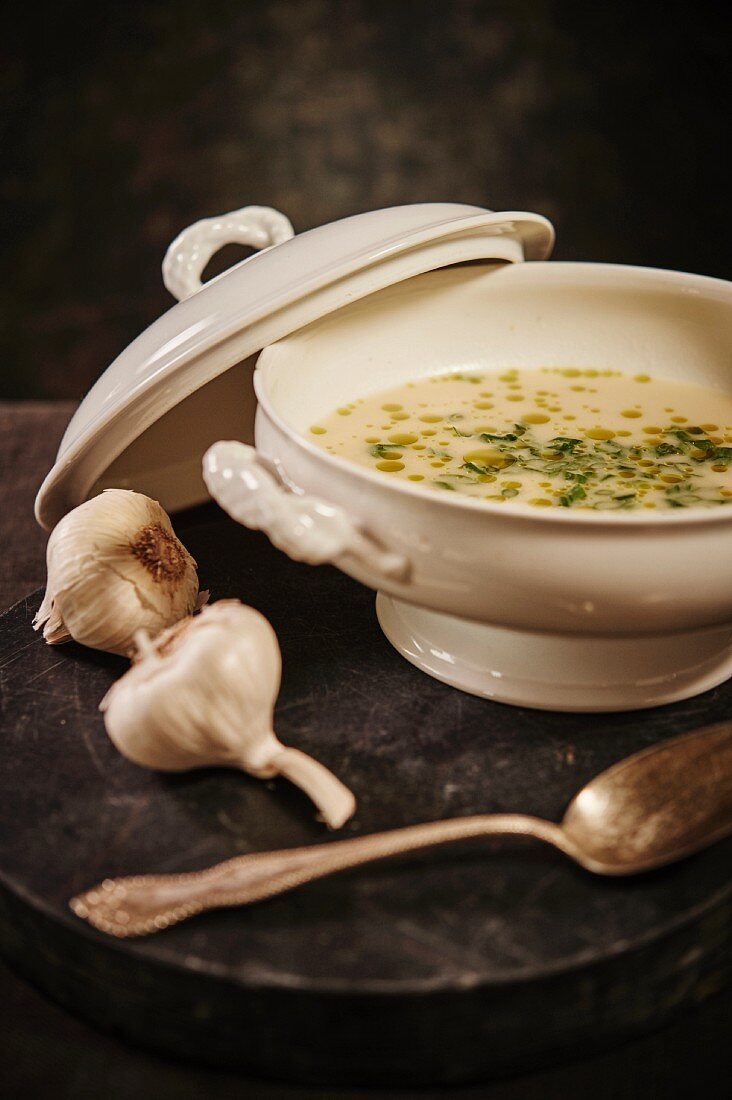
{"x":202,"y":694}
{"x":115,"y":566}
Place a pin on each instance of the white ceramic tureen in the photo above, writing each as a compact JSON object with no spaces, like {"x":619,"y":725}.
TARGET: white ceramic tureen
{"x":549,"y":608}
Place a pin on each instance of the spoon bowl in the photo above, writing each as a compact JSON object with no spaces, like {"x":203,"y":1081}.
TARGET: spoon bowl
{"x":656,"y":806}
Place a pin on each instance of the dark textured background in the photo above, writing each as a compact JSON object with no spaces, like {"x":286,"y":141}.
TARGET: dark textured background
{"x":124,"y":123}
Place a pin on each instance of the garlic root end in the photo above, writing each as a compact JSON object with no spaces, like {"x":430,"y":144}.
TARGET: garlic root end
{"x":334,"y":800}
{"x":48,"y":618}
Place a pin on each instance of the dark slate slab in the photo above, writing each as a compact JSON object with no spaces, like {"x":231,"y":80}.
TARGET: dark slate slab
{"x":446,"y":966}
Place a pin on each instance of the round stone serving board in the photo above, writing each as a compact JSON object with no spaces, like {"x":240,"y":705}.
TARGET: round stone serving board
{"x":467,"y":962}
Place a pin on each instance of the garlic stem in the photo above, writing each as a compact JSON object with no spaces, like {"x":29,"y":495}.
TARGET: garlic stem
{"x":144,"y":645}
{"x":334,"y":800}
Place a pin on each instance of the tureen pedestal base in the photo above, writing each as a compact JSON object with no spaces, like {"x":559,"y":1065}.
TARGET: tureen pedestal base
{"x":557,"y":671}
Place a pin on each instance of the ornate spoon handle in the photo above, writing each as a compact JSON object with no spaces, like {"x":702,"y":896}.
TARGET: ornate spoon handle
{"x":143,"y":904}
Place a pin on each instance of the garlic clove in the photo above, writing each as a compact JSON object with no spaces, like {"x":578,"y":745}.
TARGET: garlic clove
{"x":115,"y":566}
{"x":202,"y":694}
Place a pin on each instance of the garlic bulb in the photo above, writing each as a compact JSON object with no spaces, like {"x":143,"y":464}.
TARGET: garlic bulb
{"x":115,"y":567}
{"x":202,"y":694}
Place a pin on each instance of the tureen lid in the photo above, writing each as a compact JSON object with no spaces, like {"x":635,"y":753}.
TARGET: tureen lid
{"x":186,"y":380}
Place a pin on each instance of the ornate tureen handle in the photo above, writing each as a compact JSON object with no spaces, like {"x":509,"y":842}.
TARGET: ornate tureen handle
{"x":187,"y":256}
{"x":305,"y":527}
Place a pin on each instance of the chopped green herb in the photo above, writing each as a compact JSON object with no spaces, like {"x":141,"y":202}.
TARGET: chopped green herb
{"x":575,"y":493}
{"x":475,"y":468}
{"x":667,"y":449}
{"x":564,"y":444}
{"x":384,"y":450}
{"x":489,"y":437}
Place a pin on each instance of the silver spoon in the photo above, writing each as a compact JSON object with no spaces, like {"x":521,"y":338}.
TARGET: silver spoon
{"x":652,"y":808}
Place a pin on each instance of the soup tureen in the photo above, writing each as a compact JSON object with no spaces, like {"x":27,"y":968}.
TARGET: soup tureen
{"x":553,"y":608}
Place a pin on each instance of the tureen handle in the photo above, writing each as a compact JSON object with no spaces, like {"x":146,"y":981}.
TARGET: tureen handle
{"x":305,"y":527}
{"x":187,"y":256}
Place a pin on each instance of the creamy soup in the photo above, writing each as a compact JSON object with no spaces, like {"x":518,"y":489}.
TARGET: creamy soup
{"x":555,"y":437}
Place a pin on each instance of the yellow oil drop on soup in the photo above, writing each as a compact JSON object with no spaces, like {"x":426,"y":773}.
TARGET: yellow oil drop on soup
{"x":621,"y":442}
